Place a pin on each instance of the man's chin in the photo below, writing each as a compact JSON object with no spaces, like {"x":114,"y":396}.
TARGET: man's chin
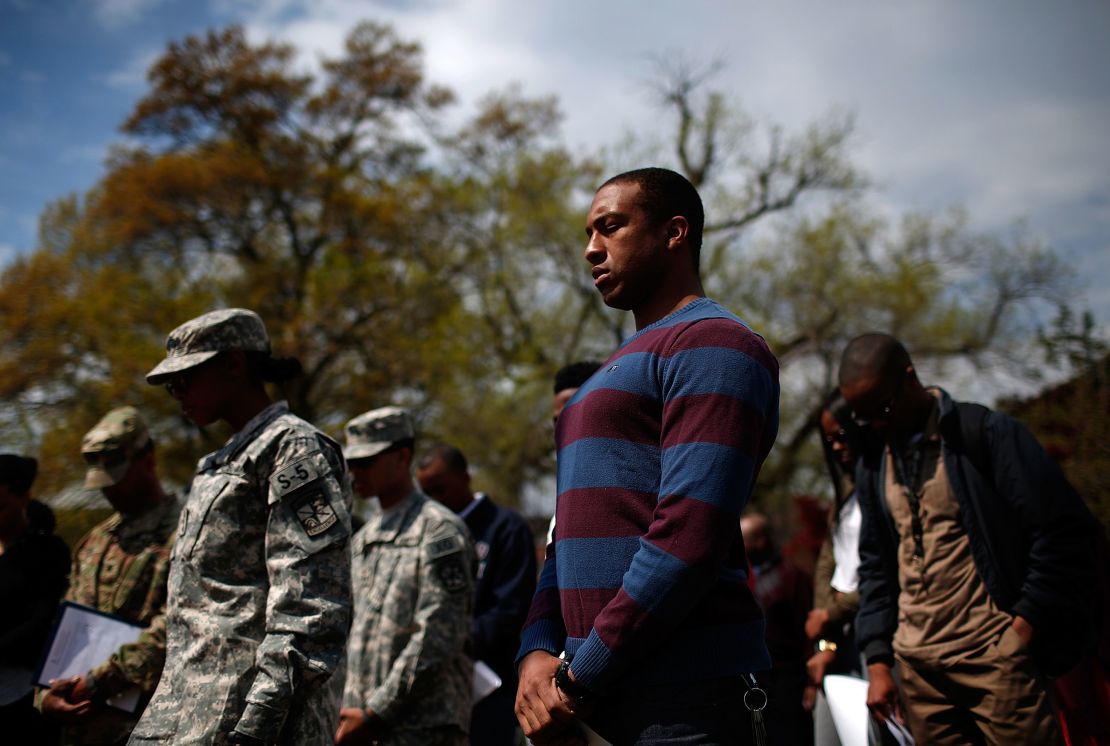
{"x":616,"y":300}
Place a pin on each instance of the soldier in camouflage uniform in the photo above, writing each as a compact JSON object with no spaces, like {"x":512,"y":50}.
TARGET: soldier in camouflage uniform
{"x":259,"y":585}
{"x":413,"y":568}
{"x":119,"y":568}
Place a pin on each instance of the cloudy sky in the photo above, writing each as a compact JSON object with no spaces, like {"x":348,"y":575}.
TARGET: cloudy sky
{"x":1000,"y":106}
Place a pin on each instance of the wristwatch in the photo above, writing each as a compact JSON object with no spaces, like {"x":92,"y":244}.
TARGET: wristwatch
{"x":580,"y":694}
{"x":826,"y":646}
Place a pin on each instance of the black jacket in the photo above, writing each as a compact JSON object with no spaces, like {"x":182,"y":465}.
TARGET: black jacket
{"x":1031,"y":537}
{"x":506,"y":584}
{"x":34,"y":575}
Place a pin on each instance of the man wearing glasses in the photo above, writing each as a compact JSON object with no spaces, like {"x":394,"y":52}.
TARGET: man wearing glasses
{"x":975,"y":559}
{"x":119,"y":568}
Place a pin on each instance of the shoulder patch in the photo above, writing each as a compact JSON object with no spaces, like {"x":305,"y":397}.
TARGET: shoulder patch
{"x":314,"y":512}
{"x":453,"y":574}
{"x":444,"y":546}
{"x":294,"y":476}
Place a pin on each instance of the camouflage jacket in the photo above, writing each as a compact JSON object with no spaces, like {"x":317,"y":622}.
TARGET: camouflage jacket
{"x":413,"y":572}
{"x":120,"y":568}
{"x":259,"y":592}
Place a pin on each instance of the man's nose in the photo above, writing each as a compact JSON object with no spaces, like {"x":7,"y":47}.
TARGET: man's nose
{"x":594,"y":253}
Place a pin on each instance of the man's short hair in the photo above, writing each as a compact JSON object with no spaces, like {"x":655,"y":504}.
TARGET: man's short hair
{"x":451,"y":456}
{"x":664,"y":194}
{"x":18,"y":473}
{"x":574,"y":375}
{"x":871,"y":354}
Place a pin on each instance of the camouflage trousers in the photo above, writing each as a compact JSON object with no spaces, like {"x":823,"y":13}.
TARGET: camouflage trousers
{"x":445,"y":736}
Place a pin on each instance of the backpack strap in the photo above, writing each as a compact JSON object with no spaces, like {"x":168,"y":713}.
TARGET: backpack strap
{"x":973,"y":440}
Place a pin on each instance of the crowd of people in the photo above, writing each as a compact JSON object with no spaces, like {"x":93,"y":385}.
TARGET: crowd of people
{"x":958,"y":575}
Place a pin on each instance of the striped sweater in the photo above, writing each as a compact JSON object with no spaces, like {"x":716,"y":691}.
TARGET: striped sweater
{"x":657,"y":456}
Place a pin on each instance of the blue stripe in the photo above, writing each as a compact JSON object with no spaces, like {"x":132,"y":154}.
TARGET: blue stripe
{"x":709,"y":472}
{"x":652,"y":576}
{"x":633,"y":373}
{"x":608,"y":462}
{"x":719,"y":370}
{"x":699,"y":310}
{"x":595,"y":563}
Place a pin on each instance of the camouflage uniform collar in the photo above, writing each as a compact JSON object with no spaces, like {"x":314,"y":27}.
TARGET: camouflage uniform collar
{"x":384,"y":527}
{"x":244,"y":437}
{"x":140,"y":523}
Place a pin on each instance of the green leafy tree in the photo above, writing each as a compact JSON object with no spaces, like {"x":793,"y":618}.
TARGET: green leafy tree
{"x":251,"y":186}
{"x":404,"y":260}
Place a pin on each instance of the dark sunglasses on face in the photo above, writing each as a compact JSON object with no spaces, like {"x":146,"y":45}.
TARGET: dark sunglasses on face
{"x":178,"y":384}
{"x":882,"y":413}
{"x":105,"y":459}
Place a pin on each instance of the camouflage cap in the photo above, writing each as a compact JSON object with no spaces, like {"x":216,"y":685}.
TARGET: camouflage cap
{"x":111,"y":446}
{"x":371,"y":433}
{"x":204,"y":337}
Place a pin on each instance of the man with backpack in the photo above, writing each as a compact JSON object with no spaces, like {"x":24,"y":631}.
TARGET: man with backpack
{"x":976,"y":559}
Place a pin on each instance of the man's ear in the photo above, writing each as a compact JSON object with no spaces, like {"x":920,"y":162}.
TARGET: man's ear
{"x":678,"y":228}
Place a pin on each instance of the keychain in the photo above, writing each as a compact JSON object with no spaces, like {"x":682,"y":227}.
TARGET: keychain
{"x":755,"y":699}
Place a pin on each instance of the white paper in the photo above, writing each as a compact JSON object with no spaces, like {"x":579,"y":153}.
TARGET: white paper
{"x":484,"y":682}
{"x":83,"y":640}
{"x":847,"y":698}
{"x":901,"y":735}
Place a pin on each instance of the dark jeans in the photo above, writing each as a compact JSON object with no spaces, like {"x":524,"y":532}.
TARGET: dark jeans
{"x":492,"y":721}
{"x":787,"y":721}
{"x":21,"y":723}
{"x":706,"y":713}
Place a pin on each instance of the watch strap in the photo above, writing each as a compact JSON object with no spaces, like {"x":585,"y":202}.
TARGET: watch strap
{"x":569,"y":687}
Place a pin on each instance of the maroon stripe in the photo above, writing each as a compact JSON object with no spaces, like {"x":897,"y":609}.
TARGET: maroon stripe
{"x":592,"y":417}
{"x":581,"y":607}
{"x":623,"y":618}
{"x":726,"y":334}
{"x":713,"y":418}
{"x":677,"y":519}
{"x":717,"y":332}
{"x":603,"y":512}
{"x":545,"y":604}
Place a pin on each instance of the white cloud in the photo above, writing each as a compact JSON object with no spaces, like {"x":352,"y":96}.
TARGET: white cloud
{"x":117,"y":13}
{"x":133,"y":74}
{"x":996,"y":106}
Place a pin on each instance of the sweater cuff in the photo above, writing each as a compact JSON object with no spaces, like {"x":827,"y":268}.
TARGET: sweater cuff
{"x":541,"y":635}
{"x":589,"y":663}
{"x":261,"y":722}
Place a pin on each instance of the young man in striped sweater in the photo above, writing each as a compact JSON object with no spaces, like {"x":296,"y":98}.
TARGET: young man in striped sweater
{"x":644,"y":587}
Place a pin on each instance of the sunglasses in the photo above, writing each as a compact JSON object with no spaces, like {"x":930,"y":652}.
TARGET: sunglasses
{"x":179,"y":383}
{"x":881,"y":413}
{"x":108,"y":459}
